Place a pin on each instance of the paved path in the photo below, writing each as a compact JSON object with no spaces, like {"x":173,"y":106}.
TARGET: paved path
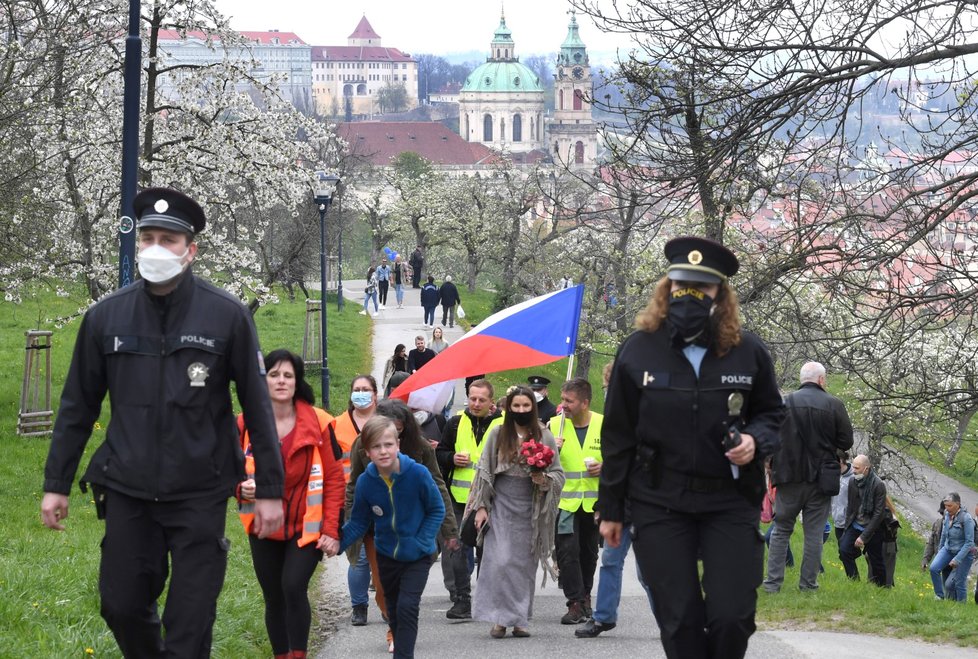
{"x":636,"y":635}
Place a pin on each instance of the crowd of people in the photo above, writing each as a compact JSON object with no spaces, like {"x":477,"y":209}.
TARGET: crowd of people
{"x":674,"y":468}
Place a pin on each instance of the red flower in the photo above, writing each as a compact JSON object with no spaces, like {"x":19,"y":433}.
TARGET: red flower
{"x":536,"y":455}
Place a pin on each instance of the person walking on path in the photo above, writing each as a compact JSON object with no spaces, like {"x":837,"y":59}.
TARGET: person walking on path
{"x":578,"y":434}
{"x":420,"y":356}
{"x":370,"y":292}
{"x":515,"y":512}
{"x":957,"y":541}
{"x":458,"y":452}
{"x":285,"y":561}
{"x":383,"y":282}
{"x":816,"y":427}
{"x":400,"y":281}
{"x":429,"y":300}
{"x":399,"y":498}
{"x":416,"y":262}
{"x":693,"y":410}
{"x":864,"y":521}
{"x":165,"y":349}
{"x":449,"y":297}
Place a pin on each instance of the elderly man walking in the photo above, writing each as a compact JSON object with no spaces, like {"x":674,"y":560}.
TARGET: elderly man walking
{"x":817,"y":425}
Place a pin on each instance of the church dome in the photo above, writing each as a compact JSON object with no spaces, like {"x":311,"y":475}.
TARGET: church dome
{"x":504,"y":77}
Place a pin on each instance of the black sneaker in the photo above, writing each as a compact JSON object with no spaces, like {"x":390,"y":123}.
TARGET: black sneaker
{"x":461,"y":610}
{"x":592,"y":628}
{"x":359,"y":615}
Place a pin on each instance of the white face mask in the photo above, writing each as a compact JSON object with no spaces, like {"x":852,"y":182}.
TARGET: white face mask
{"x":157,"y":264}
{"x":859,"y":477}
{"x":538,"y":396}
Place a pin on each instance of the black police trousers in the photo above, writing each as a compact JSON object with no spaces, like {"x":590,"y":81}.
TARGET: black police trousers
{"x":140,"y":537}
{"x":668,"y":545}
{"x":577,"y":556}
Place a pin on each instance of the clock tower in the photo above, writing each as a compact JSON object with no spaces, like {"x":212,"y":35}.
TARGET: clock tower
{"x":573,"y":135}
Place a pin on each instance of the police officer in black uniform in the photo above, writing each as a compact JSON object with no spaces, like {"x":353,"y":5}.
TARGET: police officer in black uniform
{"x":692,"y":411}
{"x":545,"y":407}
{"x":165,"y":349}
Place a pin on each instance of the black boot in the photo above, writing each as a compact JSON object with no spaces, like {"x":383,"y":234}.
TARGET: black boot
{"x":359,"y":616}
{"x":461,"y":610}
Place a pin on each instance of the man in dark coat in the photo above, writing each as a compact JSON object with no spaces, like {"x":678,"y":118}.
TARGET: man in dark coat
{"x":429,"y":300}
{"x":545,"y":407}
{"x":449,"y":297}
{"x":817,"y":425}
{"x":416,"y":262}
{"x":864,"y":521}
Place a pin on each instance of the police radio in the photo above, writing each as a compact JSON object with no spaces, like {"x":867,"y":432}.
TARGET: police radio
{"x":731,"y":434}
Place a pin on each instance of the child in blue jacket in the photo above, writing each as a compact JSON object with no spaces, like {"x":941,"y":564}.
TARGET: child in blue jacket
{"x":400,"y":498}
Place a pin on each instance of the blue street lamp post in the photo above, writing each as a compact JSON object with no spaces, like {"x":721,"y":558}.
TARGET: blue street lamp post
{"x":130,"y":146}
{"x":323,"y":196}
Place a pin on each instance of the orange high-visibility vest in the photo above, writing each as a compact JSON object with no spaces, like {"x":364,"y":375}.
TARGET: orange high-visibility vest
{"x":312,"y":521}
{"x":345,"y":433}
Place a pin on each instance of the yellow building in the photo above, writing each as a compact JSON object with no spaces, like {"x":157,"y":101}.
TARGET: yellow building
{"x":350,"y":79}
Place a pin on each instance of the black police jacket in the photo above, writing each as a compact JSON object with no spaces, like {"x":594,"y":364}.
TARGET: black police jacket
{"x":166,"y":363}
{"x":661,"y":439}
{"x":825,"y":427}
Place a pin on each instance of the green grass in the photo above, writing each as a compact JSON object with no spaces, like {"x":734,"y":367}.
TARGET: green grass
{"x":908,"y":610}
{"x":49,"y":604}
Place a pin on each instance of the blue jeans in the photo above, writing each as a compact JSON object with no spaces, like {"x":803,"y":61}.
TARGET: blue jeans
{"x":957,"y":582}
{"x":366,"y":299}
{"x":609,"y":580}
{"x":403,"y":584}
{"x":429,"y":315}
{"x":399,"y":293}
{"x":358,"y":579}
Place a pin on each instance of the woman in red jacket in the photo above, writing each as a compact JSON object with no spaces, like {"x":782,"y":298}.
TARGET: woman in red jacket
{"x":314,"y":490}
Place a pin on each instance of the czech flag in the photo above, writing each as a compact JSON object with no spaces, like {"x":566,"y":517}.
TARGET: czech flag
{"x":535,"y":332}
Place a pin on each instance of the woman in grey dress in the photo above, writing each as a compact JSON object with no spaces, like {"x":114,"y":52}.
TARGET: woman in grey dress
{"x":520,"y":507}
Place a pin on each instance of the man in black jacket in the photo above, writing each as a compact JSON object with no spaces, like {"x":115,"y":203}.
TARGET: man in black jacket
{"x":816,"y":426}
{"x":420,"y":355}
{"x":165,"y":349}
{"x":864,"y":520}
{"x":449,"y":297}
{"x":416,"y":262}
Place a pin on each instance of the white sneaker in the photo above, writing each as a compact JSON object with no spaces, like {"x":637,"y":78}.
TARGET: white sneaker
{"x":363,"y":313}
{"x":383,"y":306}
{"x":375,"y":314}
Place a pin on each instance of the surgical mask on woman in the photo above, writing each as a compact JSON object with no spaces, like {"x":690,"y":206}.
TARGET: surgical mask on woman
{"x":361,"y":399}
{"x":157,"y":264}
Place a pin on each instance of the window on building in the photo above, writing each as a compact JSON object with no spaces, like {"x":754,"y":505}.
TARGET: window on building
{"x":487,"y":128}
{"x":578,"y":99}
{"x":517,"y":128}
{"x":348,"y":90}
{"x":560,"y":104}
{"x":579,"y":153}
{"x":361,"y":90}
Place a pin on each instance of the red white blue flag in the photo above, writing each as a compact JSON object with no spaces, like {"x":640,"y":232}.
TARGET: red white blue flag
{"x":531,"y":333}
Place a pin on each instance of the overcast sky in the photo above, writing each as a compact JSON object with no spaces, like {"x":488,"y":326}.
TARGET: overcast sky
{"x":422,"y":26}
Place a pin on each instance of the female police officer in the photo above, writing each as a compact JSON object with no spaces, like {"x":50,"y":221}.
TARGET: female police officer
{"x":692,"y":411}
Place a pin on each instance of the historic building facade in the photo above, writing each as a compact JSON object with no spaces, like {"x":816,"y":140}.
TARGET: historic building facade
{"x":501,"y":104}
{"x":349,"y":79}
{"x":573,"y":136}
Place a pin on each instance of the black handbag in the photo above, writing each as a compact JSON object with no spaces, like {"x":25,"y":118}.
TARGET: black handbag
{"x":829,"y":472}
{"x":468,"y":534}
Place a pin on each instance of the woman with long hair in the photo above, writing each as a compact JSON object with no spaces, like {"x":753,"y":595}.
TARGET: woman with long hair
{"x":693,"y":410}
{"x":370,"y":292}
{"x":395,"y":363}
{"x":285,"y":561}
{"x":413,"y":445}
{"x":344,"y":430}
{"x":438,"y":342}
{"x":515,"y":512}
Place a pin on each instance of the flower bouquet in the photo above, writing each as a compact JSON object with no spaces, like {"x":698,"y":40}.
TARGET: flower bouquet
{"x":537,"y":456}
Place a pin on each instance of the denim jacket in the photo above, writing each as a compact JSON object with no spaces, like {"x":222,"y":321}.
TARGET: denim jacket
{"x":958,"y":535}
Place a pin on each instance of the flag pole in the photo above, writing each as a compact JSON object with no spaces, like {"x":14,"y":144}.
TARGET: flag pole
{"x":563,"y":412}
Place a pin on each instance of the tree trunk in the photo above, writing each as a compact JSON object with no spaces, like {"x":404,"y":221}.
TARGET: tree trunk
{"x":962,"y":428}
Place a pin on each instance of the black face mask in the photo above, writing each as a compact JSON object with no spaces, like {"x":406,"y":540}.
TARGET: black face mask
{"x":689,"y":312}
{"x":522,"y":418}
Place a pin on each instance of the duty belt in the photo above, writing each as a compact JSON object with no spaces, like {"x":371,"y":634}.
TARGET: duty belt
{"x":700,"y":483}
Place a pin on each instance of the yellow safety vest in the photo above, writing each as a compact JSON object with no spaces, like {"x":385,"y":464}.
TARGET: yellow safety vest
{"x":580,"y":489}
{"x":465,"y":443}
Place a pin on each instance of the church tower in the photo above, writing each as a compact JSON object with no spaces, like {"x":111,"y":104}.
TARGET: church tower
{"x":573,"y":135}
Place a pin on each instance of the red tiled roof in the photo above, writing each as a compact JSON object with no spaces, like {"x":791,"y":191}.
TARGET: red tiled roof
{"x":364,"y":30}
{"x":264,"y":38}
{"x":358,"y":54}
{"x":379,"y":141}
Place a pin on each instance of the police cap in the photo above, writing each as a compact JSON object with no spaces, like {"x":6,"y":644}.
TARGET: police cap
{"x":699,"y":259}
{"x":168,"y":209}
{"x":538,"y":382}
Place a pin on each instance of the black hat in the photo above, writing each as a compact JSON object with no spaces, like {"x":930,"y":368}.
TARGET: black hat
{"x":699,"y":259}
{"x":168,"y":209}
{"x":537,"y":381}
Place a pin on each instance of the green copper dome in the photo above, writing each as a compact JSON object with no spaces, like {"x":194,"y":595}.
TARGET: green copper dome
{"x":508,"y":76}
